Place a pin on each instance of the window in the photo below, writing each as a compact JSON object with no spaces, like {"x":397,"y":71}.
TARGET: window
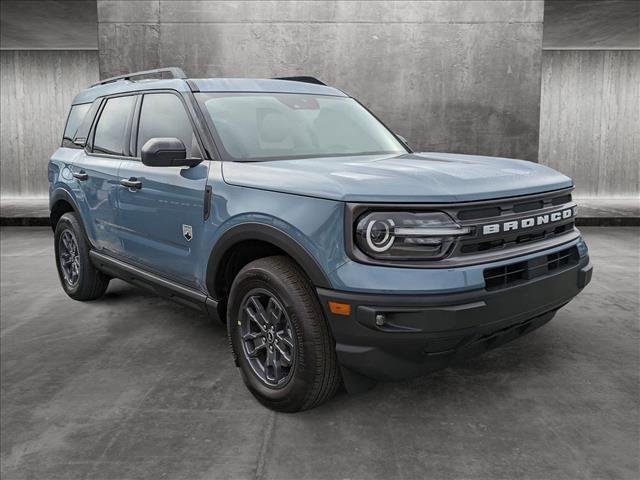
{"x":76,"y":115}
{"x":271,"y":126}
{"x":112,"y":125}
{"x":163,"y":115}
{"x":79,"y":140}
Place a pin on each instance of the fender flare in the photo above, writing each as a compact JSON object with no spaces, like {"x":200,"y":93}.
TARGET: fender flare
{"x":62,"y":194}
{"x":268,"y":234}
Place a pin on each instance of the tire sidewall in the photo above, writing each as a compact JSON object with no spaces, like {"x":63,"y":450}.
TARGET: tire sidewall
{"x":303,"y":374}
{"x":69,"y":222}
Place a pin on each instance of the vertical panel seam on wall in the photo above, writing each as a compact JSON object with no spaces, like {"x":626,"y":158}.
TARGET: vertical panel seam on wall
{"x":601,"y":124}
{"x":159,"y":27}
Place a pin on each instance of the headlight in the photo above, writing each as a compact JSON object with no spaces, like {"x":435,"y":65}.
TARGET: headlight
{"x":407,"y":235}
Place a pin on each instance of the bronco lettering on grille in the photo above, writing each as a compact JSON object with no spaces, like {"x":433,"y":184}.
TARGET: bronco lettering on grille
{"x":529,"y":222}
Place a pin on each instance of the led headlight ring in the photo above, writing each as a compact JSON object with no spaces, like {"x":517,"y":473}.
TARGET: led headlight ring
{"x":388,"y":239}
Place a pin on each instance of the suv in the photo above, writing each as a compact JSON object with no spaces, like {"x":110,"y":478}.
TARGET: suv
{"x":284,"y":208}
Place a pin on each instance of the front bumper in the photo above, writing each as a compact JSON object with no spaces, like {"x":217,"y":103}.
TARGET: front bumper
{"x":422,"y":333}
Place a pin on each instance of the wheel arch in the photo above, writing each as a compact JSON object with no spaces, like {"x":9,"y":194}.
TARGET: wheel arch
{"x":271,"y":240}
{"x":61,"y":202}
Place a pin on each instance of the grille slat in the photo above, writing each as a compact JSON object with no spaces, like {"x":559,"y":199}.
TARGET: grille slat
{"x":514,"y":206}
{"x":528,"y":207}
{"x":474,"y":246}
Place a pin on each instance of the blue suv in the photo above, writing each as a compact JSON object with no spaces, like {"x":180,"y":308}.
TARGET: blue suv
{"x":285,"y":209}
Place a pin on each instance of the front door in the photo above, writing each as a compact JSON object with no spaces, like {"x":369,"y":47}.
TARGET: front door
{"x":161,"y":213}
{"x":96,"y":171}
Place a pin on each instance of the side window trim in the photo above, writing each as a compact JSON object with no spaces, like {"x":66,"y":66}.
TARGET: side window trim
{"x":92,"y":133}
{"x":133,"y":130}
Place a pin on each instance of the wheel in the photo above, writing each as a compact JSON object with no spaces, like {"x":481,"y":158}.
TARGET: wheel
{"x":279,"y":337}
{"x":79,"y":278}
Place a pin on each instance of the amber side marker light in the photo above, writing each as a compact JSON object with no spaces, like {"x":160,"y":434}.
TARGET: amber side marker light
{"x":340,"y":308}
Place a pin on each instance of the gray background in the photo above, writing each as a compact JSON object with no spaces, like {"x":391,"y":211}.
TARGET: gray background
{"x":459,"y":76}
{"x":132,"y":387}
{"x":590,"y":120}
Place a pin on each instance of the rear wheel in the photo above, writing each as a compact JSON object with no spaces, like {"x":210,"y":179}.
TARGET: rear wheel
{"x":280,"y":339}
{"x":79,"y":278}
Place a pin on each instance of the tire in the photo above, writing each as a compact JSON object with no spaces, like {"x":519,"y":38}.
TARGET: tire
{"x":312,"y":375}
{"x":79,"y":278}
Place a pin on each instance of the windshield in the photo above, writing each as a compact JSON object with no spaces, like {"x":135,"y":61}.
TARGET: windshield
{"x":269,"y":126}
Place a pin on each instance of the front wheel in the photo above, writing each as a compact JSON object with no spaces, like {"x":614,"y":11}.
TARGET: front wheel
{"x":79,"y":278}
{"x":279,"y":337}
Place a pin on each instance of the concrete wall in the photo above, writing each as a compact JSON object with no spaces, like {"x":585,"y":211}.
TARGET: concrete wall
{"x":590,"y":120}
{"x":448,"y":75}
{"x":591,"y":25}
{"x":48,"y":25}
{"x":37,"y":89}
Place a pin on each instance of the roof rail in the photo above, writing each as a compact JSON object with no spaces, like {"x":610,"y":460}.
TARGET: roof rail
{"x":302,"y":79}
{"x":176,"y":72}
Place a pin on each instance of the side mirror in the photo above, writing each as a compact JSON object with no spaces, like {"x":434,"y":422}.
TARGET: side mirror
{"x":166,"y":152}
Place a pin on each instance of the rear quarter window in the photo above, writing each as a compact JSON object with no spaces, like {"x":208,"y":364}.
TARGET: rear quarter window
{"x":76,"y":115}
{"x":82,"y":134}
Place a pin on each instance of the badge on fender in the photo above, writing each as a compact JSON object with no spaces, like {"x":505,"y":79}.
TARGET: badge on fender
{"x":187,"y":232}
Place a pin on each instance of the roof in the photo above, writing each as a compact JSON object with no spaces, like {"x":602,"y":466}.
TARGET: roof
{"x":207,"y":85}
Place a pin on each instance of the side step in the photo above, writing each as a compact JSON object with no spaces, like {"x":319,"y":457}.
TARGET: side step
{"x":155,"y":283}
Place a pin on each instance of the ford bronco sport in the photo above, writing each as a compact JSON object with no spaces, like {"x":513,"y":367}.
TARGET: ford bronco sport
{"x":285,"y":209}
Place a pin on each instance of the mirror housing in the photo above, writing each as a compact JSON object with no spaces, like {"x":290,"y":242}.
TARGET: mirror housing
{"x":166,"y":152}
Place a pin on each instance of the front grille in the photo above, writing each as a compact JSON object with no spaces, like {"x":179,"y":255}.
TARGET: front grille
{"x":519,"y":272}
{"x":509,"y":210}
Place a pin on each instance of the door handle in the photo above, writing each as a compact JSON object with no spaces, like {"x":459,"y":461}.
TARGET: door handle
{"x":81,"y":175}
{"x":133,"y":182}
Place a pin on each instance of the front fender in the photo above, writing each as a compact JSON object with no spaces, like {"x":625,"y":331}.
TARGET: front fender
{"x":269,"y":234}
{"x":309,"y":229}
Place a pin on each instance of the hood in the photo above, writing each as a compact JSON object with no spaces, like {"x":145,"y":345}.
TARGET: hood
{"x":415,"y":177}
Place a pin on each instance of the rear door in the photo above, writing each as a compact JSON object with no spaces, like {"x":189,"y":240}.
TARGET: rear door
{"x":161,"y":219}
{"x":95,"y":170}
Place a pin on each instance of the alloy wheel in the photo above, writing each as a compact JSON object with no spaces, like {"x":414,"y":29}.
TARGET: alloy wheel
{"x":69,"y":258}
{"x":267,"y":337}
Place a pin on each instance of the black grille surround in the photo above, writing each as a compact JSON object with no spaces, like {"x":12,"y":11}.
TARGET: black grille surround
{"x":479,"y":247}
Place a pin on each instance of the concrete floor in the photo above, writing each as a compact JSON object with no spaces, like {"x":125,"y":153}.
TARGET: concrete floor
{"x":132,"y":386}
